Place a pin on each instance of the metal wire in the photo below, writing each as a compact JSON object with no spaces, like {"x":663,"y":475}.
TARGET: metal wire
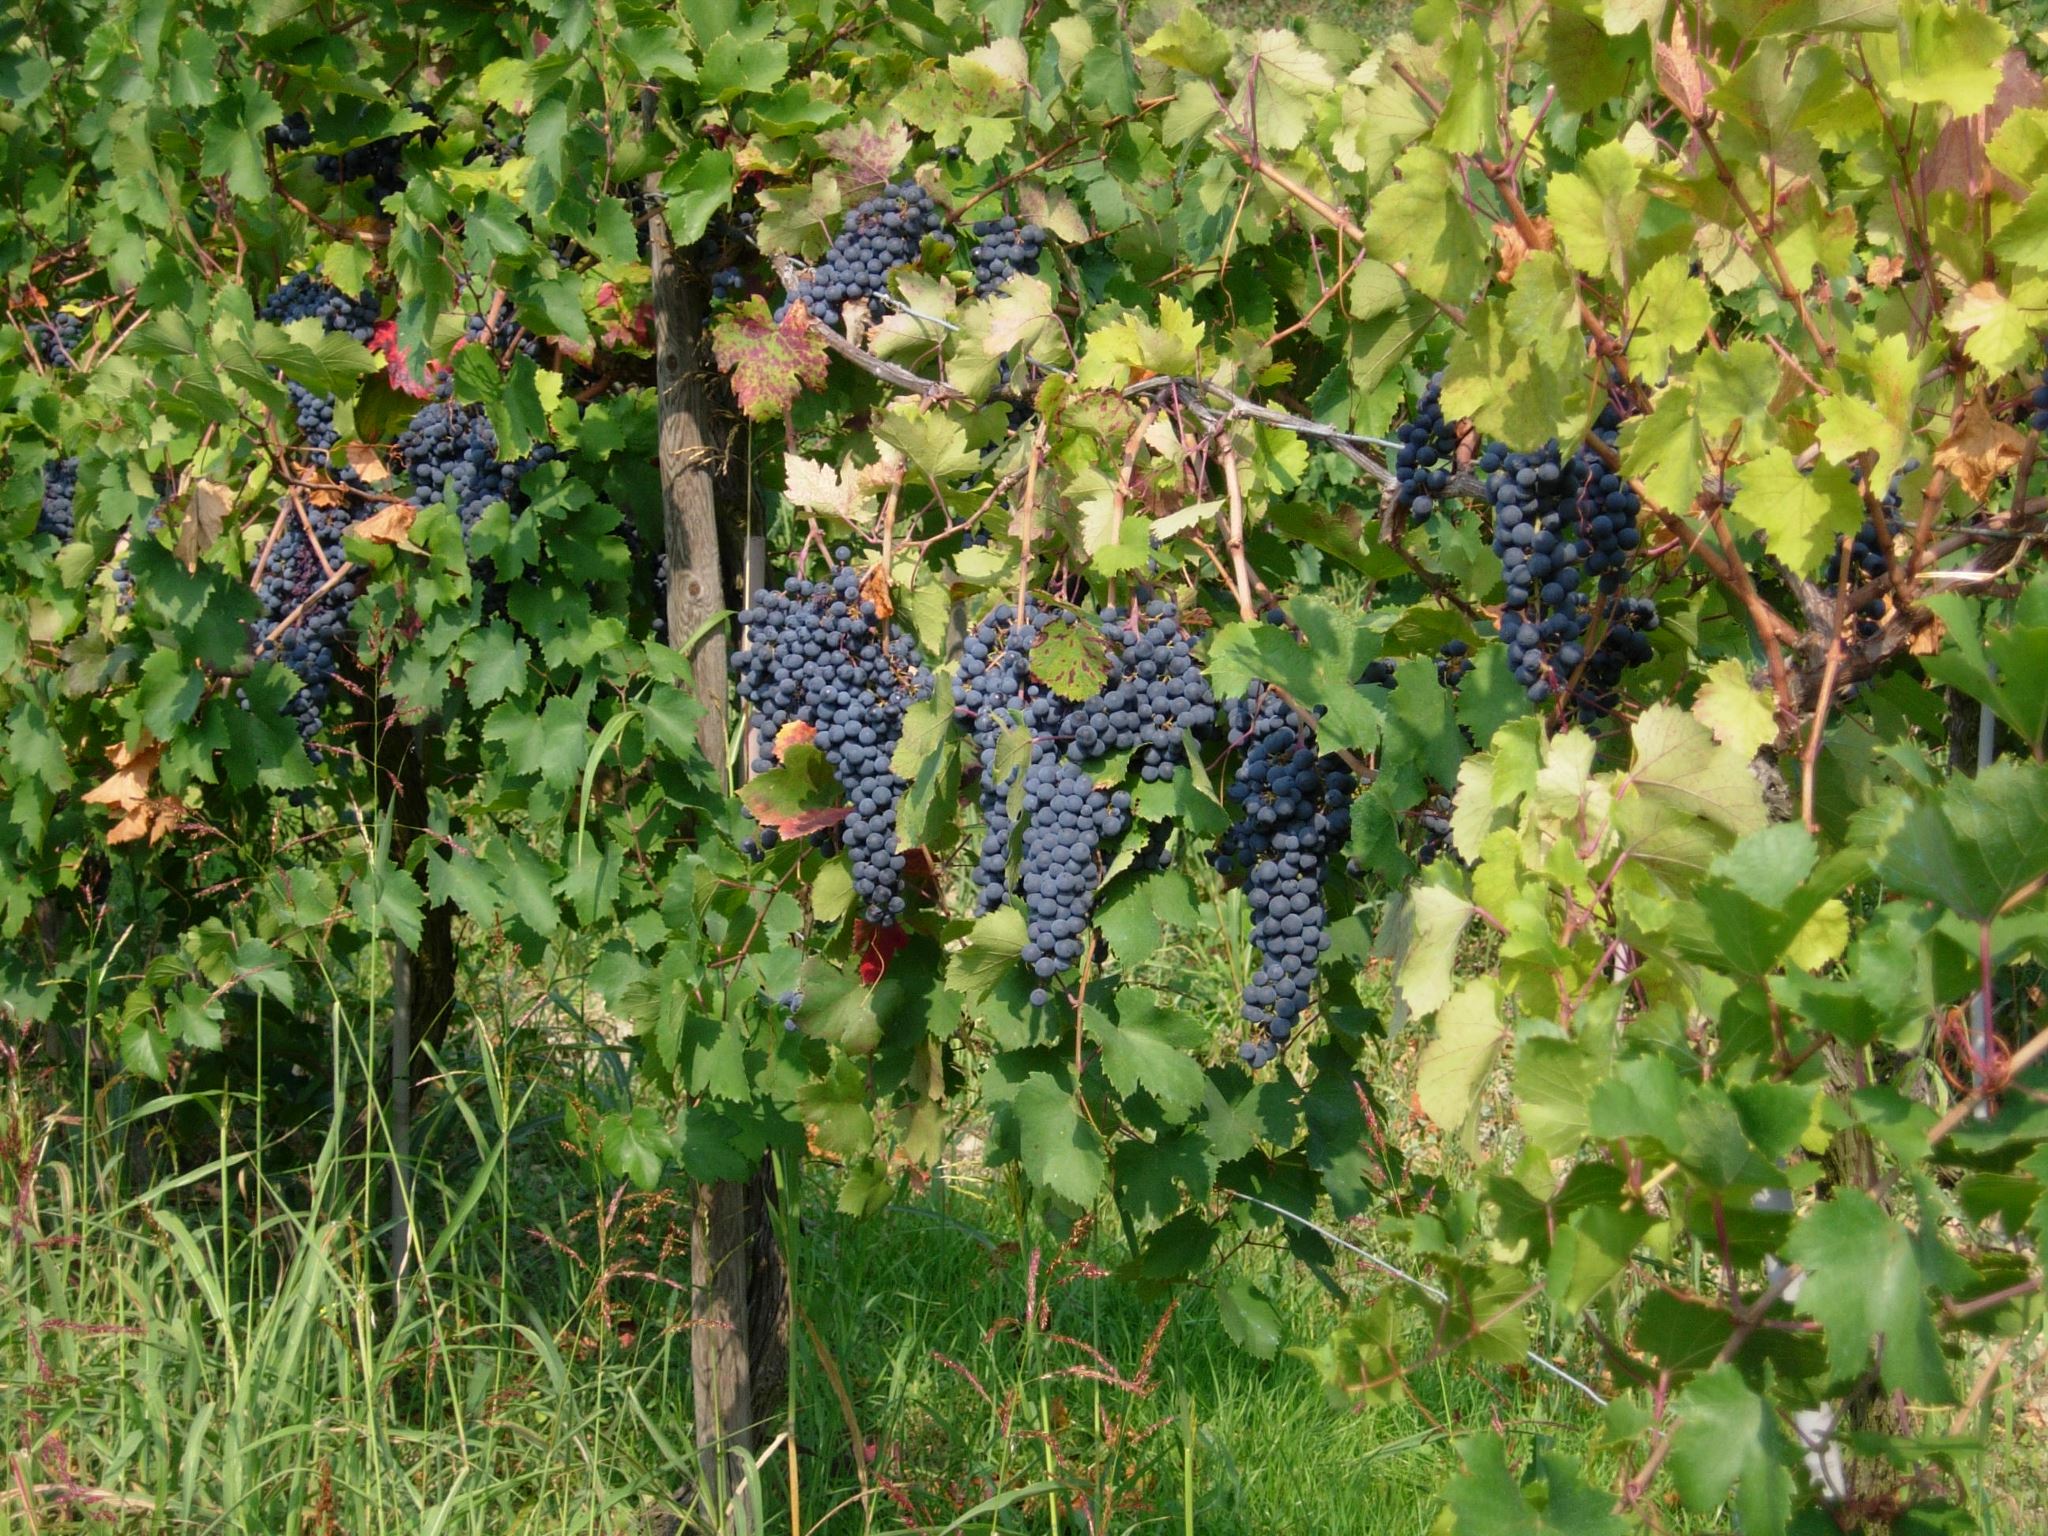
{"x":1539,"y":1361}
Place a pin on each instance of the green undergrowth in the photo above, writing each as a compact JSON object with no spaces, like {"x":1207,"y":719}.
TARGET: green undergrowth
{"x":206,"y":1340}
{"x":202,"y":1339}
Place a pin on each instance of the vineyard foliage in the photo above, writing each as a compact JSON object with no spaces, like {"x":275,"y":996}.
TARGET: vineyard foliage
{"x":1523,"y":540}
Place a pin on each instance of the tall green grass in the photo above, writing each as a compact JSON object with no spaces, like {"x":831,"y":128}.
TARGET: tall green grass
{"x":199,"y":1332}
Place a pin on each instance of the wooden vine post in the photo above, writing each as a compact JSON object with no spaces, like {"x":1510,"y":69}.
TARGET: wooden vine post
{"x":722,"y":1216}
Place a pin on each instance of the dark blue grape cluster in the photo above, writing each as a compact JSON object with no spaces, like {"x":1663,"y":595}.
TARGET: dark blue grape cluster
{"x":452,"y":448}
{"x":59,"y":516}
{"x":1453,"y":662}
{"x":1870,"y":549}
{"x":789,"y":1002}
{"x":1625,"y":644}
{"x":2038,"y":417}
{"x":727,"y":250}
{"x":316,"y":643}
{"x":1153,"y":694}
{"x":295,"y":132}
{"x":817,"y":653}
{"x":56,"y":343}
{"x":307,"y":296}
{"x":57,"y":339}
{"x":380,"y":162}
{"x":1564,"y":528}
{"x":882,"y":234}
{"x":1435,"y":819}
{"x":1424,"y":462}
{"x":1002,"y":249}
{"x":313,"y":414}
{"x":1295,"y":816}
{"x":124,"y":580}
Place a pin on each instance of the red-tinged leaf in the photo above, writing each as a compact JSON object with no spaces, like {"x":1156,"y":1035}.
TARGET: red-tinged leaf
{"x":800,"y":797}
{"x":804,"y":823}
{"x":877,"y":946}
{"x":398,"y":367}
{"x":867,"y":153}
{"x":770,"y":364}
{"x":798,"y":733}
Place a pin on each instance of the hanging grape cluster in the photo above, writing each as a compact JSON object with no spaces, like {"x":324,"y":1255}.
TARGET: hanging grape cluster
{"x":59,"y":517}
{"x":56,"y":342}
{"x":299,"y":588}
{"x":882,"y":234}
{"x":305,"y":295}
{"x":1153,"y":694}
{"x":1295,"y":809}
{"x":450,"y":449}
{"x":1869,"y":549}
{"x":380,"y":162}
{"x":1002,"y":249}
{"x":1564,"y":527}
{"x":57,"y":339}
{"x":817,"y":653}
{"x":1427,"y":457}
{"x":727,"y":250}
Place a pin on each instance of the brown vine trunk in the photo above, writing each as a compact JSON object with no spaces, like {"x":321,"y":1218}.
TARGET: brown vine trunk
{"x":403,"y":756}
{"x":739,"y":1338}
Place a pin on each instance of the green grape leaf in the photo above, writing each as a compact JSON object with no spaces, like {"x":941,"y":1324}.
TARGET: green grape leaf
{"x":1061,"y":1151}
{"x":1866,"y":1286}
{"x":1459,"y":1057}
{"x":1726,"y":1434}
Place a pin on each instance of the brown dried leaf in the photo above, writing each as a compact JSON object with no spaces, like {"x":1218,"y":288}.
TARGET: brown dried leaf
{"x":1979,"y":449}
{"x":390,"y":524}
{"x":367,"y":463}
{"x":1927,"y":639}
{"x":1514,"y":249}
{"x":1883,"y":271}
{"x":206,"y":512}
{"x":874,"y":588}
{"x":155,"y":819}
{"x":325,"y":493}
{"x":126,"y":790}
{"x":128,"y":785}
{"x":1679,"y":74}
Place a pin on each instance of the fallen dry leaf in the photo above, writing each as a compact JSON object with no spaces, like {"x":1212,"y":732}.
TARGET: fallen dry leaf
{"x":1883,"y":271}
{"x":1979,"y":449}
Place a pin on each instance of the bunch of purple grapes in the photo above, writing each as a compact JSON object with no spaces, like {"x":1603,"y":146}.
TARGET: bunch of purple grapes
{"x":817,"y":653}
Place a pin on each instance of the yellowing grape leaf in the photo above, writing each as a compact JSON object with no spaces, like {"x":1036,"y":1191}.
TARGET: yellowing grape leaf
{"x":1979,"y":449}
{"x":1740,"y":716}
{"x":206,"y":512}
{"x":769,"y":363}
{"x":867,"y":152}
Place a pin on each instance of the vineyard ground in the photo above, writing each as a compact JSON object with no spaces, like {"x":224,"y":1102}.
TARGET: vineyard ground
{"x":209,"y":1347}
